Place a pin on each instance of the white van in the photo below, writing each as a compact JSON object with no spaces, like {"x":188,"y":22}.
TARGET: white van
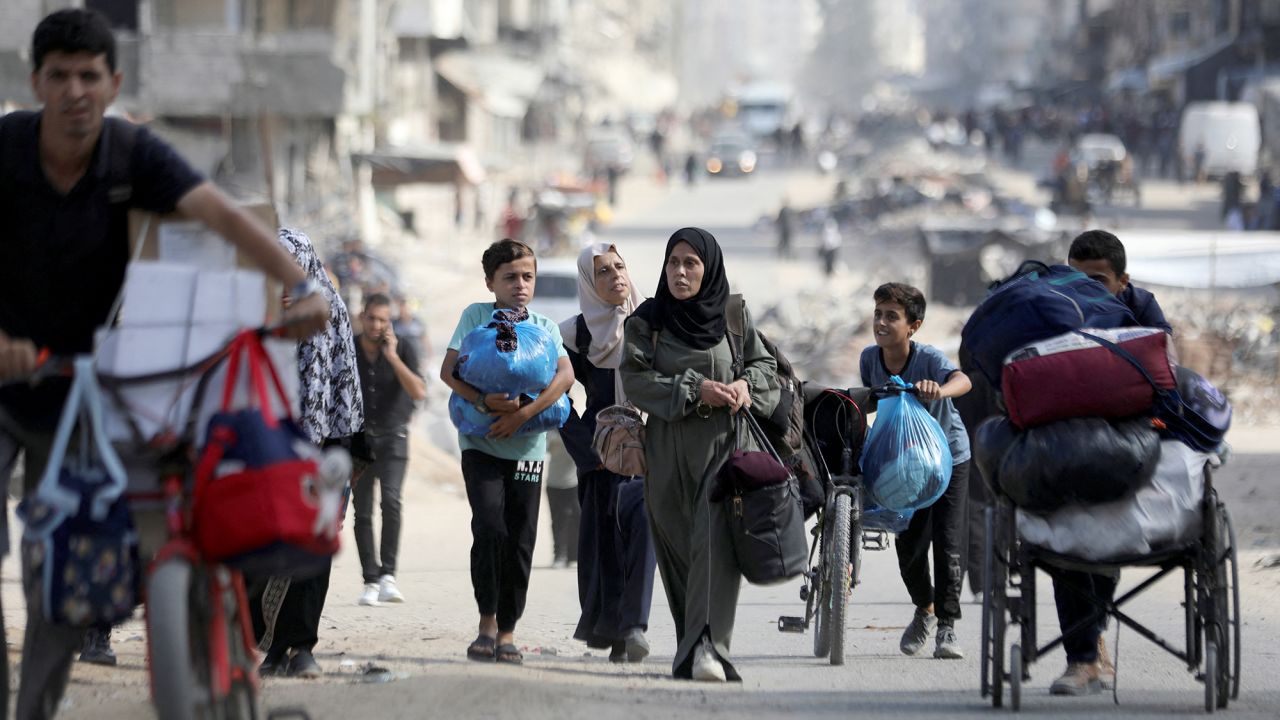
{"x":1230,"y":133}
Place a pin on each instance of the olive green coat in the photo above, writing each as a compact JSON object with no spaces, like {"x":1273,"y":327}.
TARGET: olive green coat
{"x":684,"y":452}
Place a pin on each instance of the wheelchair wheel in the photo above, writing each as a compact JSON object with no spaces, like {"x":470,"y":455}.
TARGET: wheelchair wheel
{"x":993,"y":609}
{"x":1214,"y":604}
{"x":1210,"y":676}
{"x":1233,"y":619}
{"x":839,"y":585}
{"x":1015,"y":677}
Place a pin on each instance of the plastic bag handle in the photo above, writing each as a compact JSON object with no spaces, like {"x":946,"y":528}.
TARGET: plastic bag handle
{"x":85,"y":395}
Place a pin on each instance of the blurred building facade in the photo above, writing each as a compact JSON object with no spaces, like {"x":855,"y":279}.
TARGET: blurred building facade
{"x":724,"y":43}
{"x":355,"y":115}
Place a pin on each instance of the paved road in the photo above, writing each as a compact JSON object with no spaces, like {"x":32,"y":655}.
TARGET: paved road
{"x":421,"y":642}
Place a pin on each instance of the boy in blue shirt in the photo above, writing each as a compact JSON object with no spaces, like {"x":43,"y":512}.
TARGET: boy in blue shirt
{"x":502,"y":470}
{"x":1100,"y":255}
{"x":898,"y":315}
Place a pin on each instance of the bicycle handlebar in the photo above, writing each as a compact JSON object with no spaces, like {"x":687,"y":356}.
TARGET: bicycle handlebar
{"x":891,"y":388}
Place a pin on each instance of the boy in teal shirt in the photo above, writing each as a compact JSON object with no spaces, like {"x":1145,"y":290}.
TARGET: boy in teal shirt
{"x":502,"y":470}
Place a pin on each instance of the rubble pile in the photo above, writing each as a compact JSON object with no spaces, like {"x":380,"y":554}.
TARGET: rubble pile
{"x":1233,"y":339}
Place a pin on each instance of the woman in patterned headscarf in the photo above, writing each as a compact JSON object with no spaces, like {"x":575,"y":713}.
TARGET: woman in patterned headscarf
{"x":286,"y":616}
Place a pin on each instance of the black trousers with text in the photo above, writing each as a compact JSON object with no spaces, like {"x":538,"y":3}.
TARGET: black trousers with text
{"x":505,"y":496}
{"x":940,"y":526}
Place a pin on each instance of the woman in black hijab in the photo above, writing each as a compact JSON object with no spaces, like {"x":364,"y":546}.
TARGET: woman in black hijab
{"x":678,"y":367}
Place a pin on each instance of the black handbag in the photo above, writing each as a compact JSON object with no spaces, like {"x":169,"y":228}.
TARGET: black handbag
{"x":766,"y":517}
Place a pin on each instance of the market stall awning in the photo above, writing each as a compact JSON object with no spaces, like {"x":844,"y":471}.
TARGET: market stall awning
{"x":502,"y":83}
{"x":1132,"y":79}
{"x":427,"y":164}
{"x":1167,"y":66}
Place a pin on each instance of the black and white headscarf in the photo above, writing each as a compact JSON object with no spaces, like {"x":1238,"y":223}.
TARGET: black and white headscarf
{"x":330,"y":384}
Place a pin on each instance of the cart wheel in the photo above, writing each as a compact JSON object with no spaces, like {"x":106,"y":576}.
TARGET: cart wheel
{"x":1015,"y":677}
{"x":839,"y":587}
{"x":988,"y":551}
{"x":1211,"y":675}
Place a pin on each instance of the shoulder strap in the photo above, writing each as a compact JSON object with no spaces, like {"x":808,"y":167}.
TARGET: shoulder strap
{"x":120,"y":145}
{"x":735,"y":316}
{"x":583,"y":336}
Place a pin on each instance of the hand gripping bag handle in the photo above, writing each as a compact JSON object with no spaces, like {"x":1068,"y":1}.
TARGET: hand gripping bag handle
{"x":84,"y":400}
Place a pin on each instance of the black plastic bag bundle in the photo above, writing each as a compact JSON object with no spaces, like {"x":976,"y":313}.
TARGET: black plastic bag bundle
{"x":1077,"y":461}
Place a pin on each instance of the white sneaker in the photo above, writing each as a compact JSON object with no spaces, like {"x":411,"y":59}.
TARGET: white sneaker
{"x":387,"y":590}
{"x":370,"y":595}
{"x":706,"y":666}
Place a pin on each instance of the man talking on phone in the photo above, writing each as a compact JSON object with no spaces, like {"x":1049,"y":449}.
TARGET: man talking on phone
{"x":390,"y":384}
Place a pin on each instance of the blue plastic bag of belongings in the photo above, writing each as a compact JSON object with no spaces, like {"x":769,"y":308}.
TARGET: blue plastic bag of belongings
{"x":875,"y":517}
{"x":513,"y":356}
{"x":470,"y":421}
{"x":906,"y":461}
{"x":507,"y":355}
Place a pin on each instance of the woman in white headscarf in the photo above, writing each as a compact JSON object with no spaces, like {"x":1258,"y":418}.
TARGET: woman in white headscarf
{"x":615,"y":553}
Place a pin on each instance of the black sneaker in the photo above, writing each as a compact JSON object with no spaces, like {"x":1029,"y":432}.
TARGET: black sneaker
{"x":619,"y":652}
{"x":274,"y":664}
{"x":96,"y":648}
{"x":304,"y":665}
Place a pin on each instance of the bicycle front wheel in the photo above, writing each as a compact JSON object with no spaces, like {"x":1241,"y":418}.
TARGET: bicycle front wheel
{"x":839,"y":569}
{"x":178,"y":622}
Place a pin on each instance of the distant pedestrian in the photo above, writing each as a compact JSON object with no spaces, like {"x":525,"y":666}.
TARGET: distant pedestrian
{"x":390,"y":383}
{"x":408,"y":325}
{"x":786,"y":228}
{"x":562,"y":500}
{"x":1232,"y":201}
{"x":616,"y":560}
{"x":678,"y":367}
{"x":830,"y":247}
{"x":691,"y":168}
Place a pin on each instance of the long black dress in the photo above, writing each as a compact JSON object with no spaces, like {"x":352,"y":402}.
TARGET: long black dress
{"x":616,"y":561}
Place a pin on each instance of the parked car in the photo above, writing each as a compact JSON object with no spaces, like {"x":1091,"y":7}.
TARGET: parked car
{"x":556,"y":292}
{"x":731,"y":156}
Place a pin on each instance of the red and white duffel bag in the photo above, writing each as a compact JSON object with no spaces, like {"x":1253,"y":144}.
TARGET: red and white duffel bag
{"x":1071,"y":376}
